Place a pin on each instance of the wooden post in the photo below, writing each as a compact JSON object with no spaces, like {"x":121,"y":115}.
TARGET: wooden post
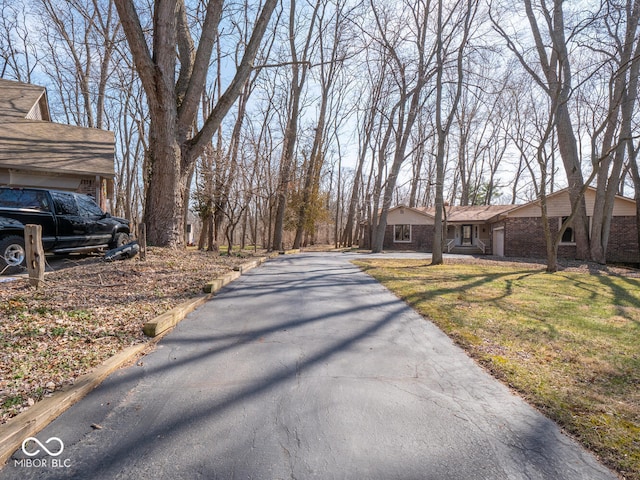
{"x":35,"y":254}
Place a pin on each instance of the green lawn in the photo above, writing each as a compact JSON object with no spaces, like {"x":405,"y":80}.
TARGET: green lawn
{"x":569,"y":342}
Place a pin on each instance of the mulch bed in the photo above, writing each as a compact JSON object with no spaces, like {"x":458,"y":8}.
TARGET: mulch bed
{"x":87,"y":311}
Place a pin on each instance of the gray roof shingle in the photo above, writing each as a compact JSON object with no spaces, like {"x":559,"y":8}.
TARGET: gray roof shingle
{"x":18,"y":99}
{"x":44,"y":146}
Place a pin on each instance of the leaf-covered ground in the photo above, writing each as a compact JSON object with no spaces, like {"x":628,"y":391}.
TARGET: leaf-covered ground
{"x":87,"y":311}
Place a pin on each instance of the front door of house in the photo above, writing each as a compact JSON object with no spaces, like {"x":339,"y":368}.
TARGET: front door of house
{"x":466,"y":234}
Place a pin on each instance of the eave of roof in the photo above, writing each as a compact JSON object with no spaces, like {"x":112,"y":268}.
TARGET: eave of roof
{"x":471,"y":213}
{"x":480,"y":213}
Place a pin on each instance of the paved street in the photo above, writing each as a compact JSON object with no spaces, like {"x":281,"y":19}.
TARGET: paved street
{"x":305,"y":368}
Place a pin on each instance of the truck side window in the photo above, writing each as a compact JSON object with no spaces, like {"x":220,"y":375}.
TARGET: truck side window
{"x":65,"y":203}
{"x":87,"y":207}
{"x":42,"y":201}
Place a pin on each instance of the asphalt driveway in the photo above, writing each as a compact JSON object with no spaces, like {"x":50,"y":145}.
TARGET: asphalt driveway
{"x":304,"y":368}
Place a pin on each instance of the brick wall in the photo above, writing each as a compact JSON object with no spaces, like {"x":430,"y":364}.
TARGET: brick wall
{"x":87,"y":186}
{"x":524,"y":237}
{"x":623,"y":241}
{"x":421,"y":239}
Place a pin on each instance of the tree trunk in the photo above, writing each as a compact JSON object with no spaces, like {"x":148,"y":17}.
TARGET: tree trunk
{"x":375,"y":225}
{"x":347,"y":234}
{"x":310,"y":177}
{"x":417,"y":169}
{"x":438,"y":230}
{"x":286,"y":167}
{"x":164,"y":195}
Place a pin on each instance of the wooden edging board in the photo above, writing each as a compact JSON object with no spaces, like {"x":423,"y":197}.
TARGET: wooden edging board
{"x":29,"y":423}
{"x":289,"y":252}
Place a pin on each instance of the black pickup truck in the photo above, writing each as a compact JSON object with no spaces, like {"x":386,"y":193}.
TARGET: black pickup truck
{"x":71,"y":222}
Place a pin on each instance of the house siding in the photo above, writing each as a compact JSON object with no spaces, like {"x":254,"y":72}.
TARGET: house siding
{"x":559,"y":206}
{"x":39,"y":153}
{"x":399,"y":216}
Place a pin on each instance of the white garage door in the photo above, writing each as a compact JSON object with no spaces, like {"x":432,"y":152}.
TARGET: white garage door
{"x":498,"y":242}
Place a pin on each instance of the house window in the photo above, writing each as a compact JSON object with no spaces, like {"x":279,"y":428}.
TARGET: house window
{"x":568,"y":235}
{"x":402,"y":233}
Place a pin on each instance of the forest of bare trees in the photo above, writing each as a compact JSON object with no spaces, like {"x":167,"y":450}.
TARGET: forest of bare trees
{"x":284,"y":123}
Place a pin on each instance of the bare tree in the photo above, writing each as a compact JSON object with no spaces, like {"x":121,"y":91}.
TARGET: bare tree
{"x":419,"y":155}
{"x":219,"y":165}
{"x":331,"y":25}
{"x":373,"y":93}
{"x":130,"y":124}
{"x":174,"y":145}
{"x":621,"y":23}
{"x":300,"y":63}
{"x":557,"y":83}
{"x":612,"y":51}
{"x":444,"y":120}
{"x":410,"y":88}
{"x":18,"y":47}
{"x":479,"y":128}
{"x":88,"y":33}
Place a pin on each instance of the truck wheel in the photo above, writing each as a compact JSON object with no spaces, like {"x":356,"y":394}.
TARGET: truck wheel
{"x":12,"y":255}
{"x":119,"y":240}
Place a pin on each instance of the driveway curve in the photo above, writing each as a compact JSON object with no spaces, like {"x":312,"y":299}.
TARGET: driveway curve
{"x":305,"y":368}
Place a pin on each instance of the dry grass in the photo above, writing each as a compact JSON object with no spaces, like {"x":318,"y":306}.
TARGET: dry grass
{"x":87,"y":311}
{"x":568,"y":342}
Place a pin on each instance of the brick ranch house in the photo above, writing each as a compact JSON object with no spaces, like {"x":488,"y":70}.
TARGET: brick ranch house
{"x":36,"y":152}
{"x":508,"y":230}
